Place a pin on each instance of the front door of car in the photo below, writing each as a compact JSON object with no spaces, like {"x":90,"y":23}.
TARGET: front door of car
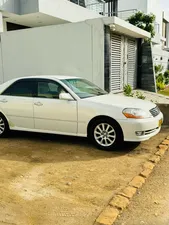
{"x":16,"y":102}
{"x":51,"y":113}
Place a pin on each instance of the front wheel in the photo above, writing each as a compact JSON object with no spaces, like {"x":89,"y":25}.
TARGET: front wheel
{"x":106,"y":134}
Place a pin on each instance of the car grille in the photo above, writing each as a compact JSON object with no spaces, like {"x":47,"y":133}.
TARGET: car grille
{"x":155,"y":111}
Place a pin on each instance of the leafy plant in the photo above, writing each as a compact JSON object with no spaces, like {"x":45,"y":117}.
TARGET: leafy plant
{"x":166,"y":81}
{"x":166,"y":74}
{"x":128,"y":91}
{"x":160,"y":78}
{"x":158,"y":69}
{"x":140,"y":95}
{"x":143,"y":21}
{"x":160,"y":86}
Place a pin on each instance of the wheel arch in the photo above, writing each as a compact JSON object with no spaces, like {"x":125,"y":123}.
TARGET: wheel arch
{"x":2,"y":114}
{"x":103,"y":117}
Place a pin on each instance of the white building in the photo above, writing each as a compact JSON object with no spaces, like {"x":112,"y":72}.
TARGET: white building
{"x":60,"y":37}
{"x":161,"y":40}
{"x":19,"y":14}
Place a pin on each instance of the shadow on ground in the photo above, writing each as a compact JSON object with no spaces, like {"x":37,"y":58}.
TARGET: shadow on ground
{"x":45,"y":148}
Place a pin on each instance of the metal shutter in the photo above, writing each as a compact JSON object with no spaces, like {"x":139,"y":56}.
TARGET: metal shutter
{"x":116,"y":83}
{"x":132,"y":63}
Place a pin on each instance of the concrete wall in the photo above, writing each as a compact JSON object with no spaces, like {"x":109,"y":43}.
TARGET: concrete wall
{"x":146,"y":6}
{"x":29,"y":6}
{"x":141,"y":5}
{"x":71,"y":49}
{"x":154,"y":7}
{"x":161,"y":57}
{"x":66,"y":10}
{"x":1,"y":66}
{"x":12,"y":6}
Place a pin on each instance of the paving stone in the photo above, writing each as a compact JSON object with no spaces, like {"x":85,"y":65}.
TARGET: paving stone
{"x":164,"y":147}
{"x":128,"y":192}
{"x":155,"y":158}
{"x":120,"y":202}
{"x":145,"y":173}
{"x":165,"y":142}
{"x":160,"y":152}
{"x":137,"y":181}
{"x":108,"y":216}
{"x":148,"y":165}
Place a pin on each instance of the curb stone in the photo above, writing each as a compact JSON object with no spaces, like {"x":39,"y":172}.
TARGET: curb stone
{"x":122,"y":199}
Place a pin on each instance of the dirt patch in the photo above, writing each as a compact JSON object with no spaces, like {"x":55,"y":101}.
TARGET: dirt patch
{"x":49,"y":180}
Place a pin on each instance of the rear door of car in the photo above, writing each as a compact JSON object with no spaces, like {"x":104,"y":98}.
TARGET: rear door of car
{"x":16,"y":102}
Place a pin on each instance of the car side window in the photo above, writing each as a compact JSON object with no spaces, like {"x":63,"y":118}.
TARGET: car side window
{"x":21,"y":88}
{"x":49,"y":89}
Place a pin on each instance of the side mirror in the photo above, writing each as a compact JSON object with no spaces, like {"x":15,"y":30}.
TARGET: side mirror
{"x":65,"y":96}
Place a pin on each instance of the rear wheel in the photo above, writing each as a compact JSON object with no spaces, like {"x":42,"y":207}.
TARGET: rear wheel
{"x":4,"y":127}
{"x":106,"y":134}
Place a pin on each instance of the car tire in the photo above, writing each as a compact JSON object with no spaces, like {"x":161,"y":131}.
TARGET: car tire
{"x":4,"y":127}
{"x":105,"y":133}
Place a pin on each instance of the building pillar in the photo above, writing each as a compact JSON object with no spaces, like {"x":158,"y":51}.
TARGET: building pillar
{"x":167,"y":35}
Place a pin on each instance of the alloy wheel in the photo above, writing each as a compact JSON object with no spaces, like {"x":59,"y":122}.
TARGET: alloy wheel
{"x":104,"y":134}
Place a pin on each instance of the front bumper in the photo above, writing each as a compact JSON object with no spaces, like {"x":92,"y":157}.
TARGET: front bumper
{"x":150,"y":127}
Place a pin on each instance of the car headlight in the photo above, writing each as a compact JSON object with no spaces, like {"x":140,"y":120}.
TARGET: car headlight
{"x":134,"y":113}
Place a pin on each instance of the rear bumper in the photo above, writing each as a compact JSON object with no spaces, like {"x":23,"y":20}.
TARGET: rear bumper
{"x":149,"y":128}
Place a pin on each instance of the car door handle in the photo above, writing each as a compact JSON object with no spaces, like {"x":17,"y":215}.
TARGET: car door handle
{"x":38,"y":104}
{"x":3,"y":100}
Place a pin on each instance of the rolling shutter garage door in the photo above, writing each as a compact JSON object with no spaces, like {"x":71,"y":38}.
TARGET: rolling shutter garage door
{"x":132,"y":62}
{"x":116,"y":63}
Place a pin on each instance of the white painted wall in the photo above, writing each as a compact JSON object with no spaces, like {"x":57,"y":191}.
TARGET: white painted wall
{"x":29,"y":6}
{"x":71,"y":49}
{"x":133,"y":4}
{"x":146,"y":6}
{"x":66,"y":10}
{"x":161,"y":57}
{"x":1,"y":66}
{"x":155,"y":8}
{"x":11,"y":6}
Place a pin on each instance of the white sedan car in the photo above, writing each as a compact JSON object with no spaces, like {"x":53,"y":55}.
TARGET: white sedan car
{"x":74,"y":106}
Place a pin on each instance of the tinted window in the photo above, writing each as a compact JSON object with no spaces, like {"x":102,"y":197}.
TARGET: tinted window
{"x":84,"y":88}
{"x":49,"y":89}
{"x":22,"y":88}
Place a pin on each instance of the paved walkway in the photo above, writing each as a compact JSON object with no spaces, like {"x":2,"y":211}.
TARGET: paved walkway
{"x":150,"y":96}
{"x":151,"y":205}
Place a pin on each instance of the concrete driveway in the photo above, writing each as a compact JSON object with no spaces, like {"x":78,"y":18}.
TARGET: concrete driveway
{"x":49,"y":180}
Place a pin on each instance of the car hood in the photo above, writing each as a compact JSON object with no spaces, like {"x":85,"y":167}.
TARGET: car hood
{"x":122,"y":101}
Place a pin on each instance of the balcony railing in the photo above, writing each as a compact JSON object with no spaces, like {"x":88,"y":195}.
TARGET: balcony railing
{"x":101,"y":7}
{"x":125,"y":14}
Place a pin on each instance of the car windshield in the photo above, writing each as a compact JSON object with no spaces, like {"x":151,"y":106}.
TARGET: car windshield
{"x":83,"y":88}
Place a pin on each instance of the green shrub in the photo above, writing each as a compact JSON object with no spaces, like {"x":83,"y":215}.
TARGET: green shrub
{"x":160,"y":86}
{"x":140,"y":95}
{"x":166,"y":81}
{"x":160,"y":78}
{"x":128,"y":90}
{"x":166,"y":74}
{"x":158,"y":69}
{"x":143,"y":21}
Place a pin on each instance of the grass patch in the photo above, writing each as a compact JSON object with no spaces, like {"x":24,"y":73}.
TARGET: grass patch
{"x":164,"y":92}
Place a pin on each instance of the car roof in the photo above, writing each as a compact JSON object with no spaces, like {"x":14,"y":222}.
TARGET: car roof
{"x":59,"y":77}
{"x":53,"y":77}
